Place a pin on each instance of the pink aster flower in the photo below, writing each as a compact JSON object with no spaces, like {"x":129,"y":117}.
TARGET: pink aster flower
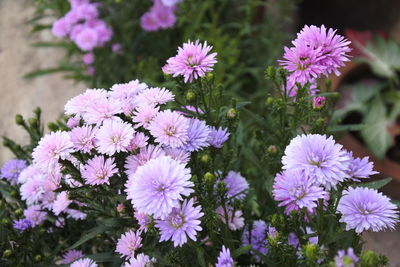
{"x":73,"y":122}
{"x":154,"y":96}
{"x":143,"y":115}
{"x":51,"y":148}
{"x":88,"y":58}
{"x":129,"y":243}
{"x":141,"y":260}
{"x":181,"y":223}
{"x":233,"y":218}
{"x":145,"y":154}
{"x":87,"y":11}
{"x":104,"y":33}
{"x":102,"y":109}
{"x":365,"y":209}
{"x":98,"y":170}
{"x":114,"y":136}
{"x":75,"y":31}
{"x":28,"y":173}
{"x":170,"y":128}
{"x":138,"y":141}
{"x":61,"y":27}
{"x":127,"y":91}
{"x":116,"y":47}
{"x":71,"y":256}
{"x":79,"y":104}
{"x":35,"y":214}
{"x":143,"y":220}
{"x":75,"y":214}
{"x":149,"y":22}
{"x":192,"y":61}
{"x":158,"y":186}
{"x":85,"y":262}
{"x":83,"y":138}
{"x":164,"y":15}
{"x":61,"y":203}
{"x":87,"y":39}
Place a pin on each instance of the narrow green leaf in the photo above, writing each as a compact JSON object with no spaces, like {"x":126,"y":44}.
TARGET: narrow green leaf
{"x":376,"y":184}
{"x":88,"y":235}
{"x":240,"y":251}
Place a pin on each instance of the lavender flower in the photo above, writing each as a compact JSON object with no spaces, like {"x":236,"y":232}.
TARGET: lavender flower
{"x":129,"y":243}
{"x":83,"y":138}
{"x":224,"y":258}
{"x":85,"y":262}
{"x":192,"y":61}
{"x":233,"y":218}
{"x":344,"y":259}
{"x":98,"y":170}
{"x":22,"y":224}
{"x":158,"y":186}
{"x":180,"y":223}
{"x":154,"y":96}
{"x":141,"y":260}
{"x":360,"y":167}
{"x":145,"y":154}
{"x":198,"y":133}
{"x":71,"y":256}
{"x":236,"y":184}
{"x":296,"y":191}
{"x":35,"y":215}
{"x":257,"y":238}
{"x":12,"y":169}
{"x":366,"y":209}
{"x":217,"y":137}
{"x":114,"y":136}
{"x":321,"y":159}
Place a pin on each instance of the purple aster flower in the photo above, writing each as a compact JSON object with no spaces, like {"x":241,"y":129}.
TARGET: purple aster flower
{"x":319,"y":102}
{"x":236,"y":184}
{"x":158,"y":186}
{"x":146,"y":153}
{"x":22,"y":224}
{"x":313,"y":239}
{"x":218,"y":136}
{"x":154,"y":96}
{"x":143,"y":220}
{"x":366,"y":209}
{"x":233,"y":218}
{"x":170,"y":2}
{"x":85,"y":262}
{"x":178,"y":154}
{"x":27,"y":173}
{"x":61,"y":27}
{"x":98,"y":170}
{"x":116,"y":48}
{"x":360,"y":167}
{"x":88,"y":58}
{"x":139,"y":140}
{"x":149,"y":22}
{"x":334,"y":48}
{"x":257,"y":238}
{"x":128,"y":243}
{"x":12,"y":169}
{"x":73,"y":122}
{"x":344,"y":259}
{"x":71,"y":255}
{"x":51,"y":148}
{"x":114,"y":136}
{"x":83,"y":138}
{"x":164,"y":15}
{"x":293,"y":240}
{"x":296,"y":191}
{"x":170,"y":128}
{"x":141,"y":260}
{"x":61,"y":203}
{"x":198,"y":133}
{"x":180,"y":223}
{"x":321,"y":159}
{"x":144,"y":114}
{"x":192,"y":61}
{"x":224,"y":258}
{"x":35,"y":215}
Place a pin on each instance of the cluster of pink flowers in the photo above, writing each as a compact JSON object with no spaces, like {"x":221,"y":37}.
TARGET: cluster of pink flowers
{"x":127,"y":122}
{"x":160,"y":16}
{"x":82,"y":26}
{"x":317,"y":52}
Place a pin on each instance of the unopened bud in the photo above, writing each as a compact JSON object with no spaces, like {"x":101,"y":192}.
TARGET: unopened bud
{"x":13,"y":193}
{"x":232,"y":113}
{"x":38,"y":258}
{"x":269,"y":101}
{"x":18,"y":212}
{"x":5,"y":222}
{"x":209,"y":76}
{"x":205,"y":158}
{"x":209,"y":177}
{"x":52,"y":126}
{"x":37,"y":111}
{"x":320,"y":122}
{"x":272,"y":150}
{"x":120,"y":207}
{"x":7,"y":253}
{"x":311,"y":252}
{"x":318,"y":102}
{"x":19,"y":119}
{"x":33,"y":122}
{"x":369,"y":259}
{"x":190,"y":96}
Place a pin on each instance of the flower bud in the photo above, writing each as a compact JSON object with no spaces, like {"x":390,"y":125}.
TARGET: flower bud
{"x":277,"y":220}
{"x":310,"y":252}
{"x":320,"y":122}
{"x":7,"y":253}
{"x":13,"y":193}
{"x":19,"y":120}
{"x":18,"y":212}
{"x":38,"y":258}
{"x":5,"y":222}
{"x":209,"y":177}
{"x":209,"y":76}
{"x":232,"y":113}
{"x":269,"y":101}
{"x":369,"y":259}
{"x":205,"y":158}
{"x":120,"y":207}
{"x":190,"y":96}
{"x":33,"y":122}
{"x":37,"y":111}
{"x":272,"y":150}
{"x":318,"y":102}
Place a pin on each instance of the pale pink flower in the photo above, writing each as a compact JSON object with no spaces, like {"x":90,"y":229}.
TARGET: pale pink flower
{"x":98,"y":170}
{"x":83,"y":138}
{"x":114,"y":136}
{"x":143,"y":115}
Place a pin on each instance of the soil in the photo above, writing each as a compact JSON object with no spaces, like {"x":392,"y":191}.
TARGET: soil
{"x":21,"y":96}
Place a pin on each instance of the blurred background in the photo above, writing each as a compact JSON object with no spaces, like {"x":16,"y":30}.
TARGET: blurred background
{"x":357,"y":19}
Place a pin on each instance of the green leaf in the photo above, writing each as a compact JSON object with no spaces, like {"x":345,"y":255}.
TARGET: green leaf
{"x":240,"y":251}
{"x":104,"y":257}
{"x":88,"y":235}
{"x":375,"y":132}
{"x":383,"y":56}
{"x":37,"y":73}
{"x":376,"y":184}
{"x":346,"y":127}
{"x":200,"y":257}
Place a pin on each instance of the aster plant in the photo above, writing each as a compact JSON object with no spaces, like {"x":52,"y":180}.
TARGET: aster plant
{"x":136,"y":175}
